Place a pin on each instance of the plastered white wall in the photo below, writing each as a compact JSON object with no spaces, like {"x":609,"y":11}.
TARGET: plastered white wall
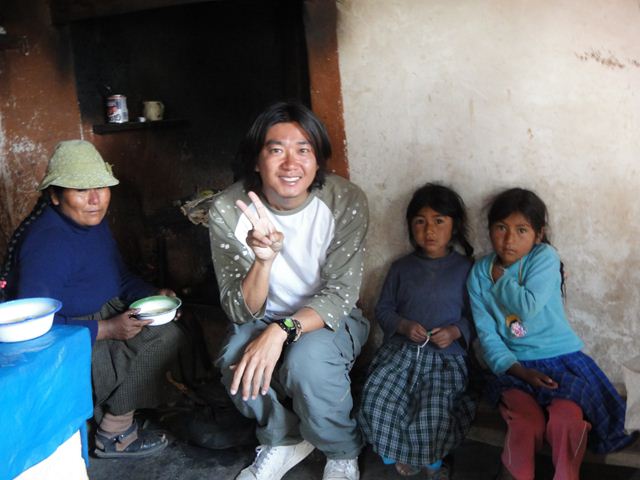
{"x":483,"y":95}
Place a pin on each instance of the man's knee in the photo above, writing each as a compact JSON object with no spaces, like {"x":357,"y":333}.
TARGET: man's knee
{"x":308,"y":373}
{"x":299,"y":368}
{"x":234,"y":345}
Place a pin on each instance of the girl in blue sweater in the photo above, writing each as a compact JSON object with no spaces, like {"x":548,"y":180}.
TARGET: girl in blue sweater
{"x":415,"y":408}
{"x":546,"y":387}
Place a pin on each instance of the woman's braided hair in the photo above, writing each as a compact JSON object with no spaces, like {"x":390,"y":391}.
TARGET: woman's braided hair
{"x":12,"y":247}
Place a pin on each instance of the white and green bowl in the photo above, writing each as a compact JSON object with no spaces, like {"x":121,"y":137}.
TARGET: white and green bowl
{"x":159,"y":308}
{"x":27,"y":318}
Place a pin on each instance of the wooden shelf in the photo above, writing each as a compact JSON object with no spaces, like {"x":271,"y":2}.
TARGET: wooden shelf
{"x":63,"y":11}
{"x":107,"y":128}
{"x":14,"y":42}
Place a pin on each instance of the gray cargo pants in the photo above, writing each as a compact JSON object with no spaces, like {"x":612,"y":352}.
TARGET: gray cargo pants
{"x":310,"y":394}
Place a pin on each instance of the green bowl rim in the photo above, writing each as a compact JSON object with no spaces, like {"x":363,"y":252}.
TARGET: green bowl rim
{"x":140,"y":301}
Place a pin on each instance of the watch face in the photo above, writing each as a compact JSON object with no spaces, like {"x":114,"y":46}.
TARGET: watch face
{"x":288,"y":323}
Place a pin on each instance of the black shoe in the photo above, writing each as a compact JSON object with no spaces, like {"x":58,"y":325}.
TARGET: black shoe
{"x":504,"y":474}
{"x":147,"y":443}
{"x":207,"y":427}
{"x":206,"y":431}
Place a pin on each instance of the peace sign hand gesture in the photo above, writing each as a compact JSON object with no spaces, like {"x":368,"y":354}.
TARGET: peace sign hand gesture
{"x":263,"y":238}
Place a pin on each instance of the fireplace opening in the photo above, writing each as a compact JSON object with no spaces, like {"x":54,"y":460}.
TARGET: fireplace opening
{"x":213,"y":65}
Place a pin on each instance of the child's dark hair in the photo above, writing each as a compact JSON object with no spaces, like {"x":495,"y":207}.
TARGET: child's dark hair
{"x":531,"y":206}
{"x":7,"y":289}
{"x":519,"y":200}
{"x":446,"y":202}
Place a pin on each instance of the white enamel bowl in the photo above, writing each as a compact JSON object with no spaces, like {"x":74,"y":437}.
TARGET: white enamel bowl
{"x":159,"y":308}
{"x":27,"y":318}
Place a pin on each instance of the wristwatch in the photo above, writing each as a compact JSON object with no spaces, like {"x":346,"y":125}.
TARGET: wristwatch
{"x":292,"y":327}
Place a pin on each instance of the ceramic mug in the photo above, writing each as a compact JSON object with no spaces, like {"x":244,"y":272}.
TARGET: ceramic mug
{"x":153,"y":110}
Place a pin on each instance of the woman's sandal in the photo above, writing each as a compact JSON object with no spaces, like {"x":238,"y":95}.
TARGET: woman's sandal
{"x":406,"y":470}
{"x":144,"y":444}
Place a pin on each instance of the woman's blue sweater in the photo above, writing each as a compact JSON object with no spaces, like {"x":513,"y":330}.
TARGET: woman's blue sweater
{"x":80,"y":266}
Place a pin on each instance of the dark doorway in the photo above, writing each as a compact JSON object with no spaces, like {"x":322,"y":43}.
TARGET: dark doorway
{"x":214,"y":65}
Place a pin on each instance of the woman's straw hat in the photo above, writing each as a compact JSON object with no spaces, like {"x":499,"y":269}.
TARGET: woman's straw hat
{"x":77,"y":164}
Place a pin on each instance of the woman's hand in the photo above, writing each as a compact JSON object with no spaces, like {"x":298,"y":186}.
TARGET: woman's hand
{"x":413,"y":331}
{"x":122,"y":326}
{"x":445,"y":336}
{"x":533,"y":377}
{"x":167,"y":292}
{"x":255,"y":368}
{"x":263,"y":238}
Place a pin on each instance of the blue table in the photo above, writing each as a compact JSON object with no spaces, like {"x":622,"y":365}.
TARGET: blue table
{"x":45,"y":396}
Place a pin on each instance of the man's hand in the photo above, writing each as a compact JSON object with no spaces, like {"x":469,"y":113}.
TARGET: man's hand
{"x":263,"y":238}
{"x":122,"y":326}
{"x":255,"y":368}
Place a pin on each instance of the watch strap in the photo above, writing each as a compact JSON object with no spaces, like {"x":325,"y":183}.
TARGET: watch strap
{"x":298,"y":326}
{"x":292,"y":328}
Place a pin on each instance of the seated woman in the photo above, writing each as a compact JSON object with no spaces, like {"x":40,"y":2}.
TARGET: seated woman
{"x":65,"y":250}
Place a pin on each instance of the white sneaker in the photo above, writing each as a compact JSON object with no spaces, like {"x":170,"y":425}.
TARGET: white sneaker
{"x":341,"y":470}
{"x":272,"y":463}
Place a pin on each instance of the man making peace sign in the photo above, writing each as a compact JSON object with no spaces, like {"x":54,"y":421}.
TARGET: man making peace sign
{"x":287,"y":245}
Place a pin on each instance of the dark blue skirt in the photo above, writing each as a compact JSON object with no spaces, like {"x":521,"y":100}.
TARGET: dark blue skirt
{"x":580,"y":380}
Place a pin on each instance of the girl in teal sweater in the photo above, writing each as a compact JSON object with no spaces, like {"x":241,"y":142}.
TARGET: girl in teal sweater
{"x":546,"y":387}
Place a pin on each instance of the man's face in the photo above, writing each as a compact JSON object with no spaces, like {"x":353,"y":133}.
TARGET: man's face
{"x":287,"y":166}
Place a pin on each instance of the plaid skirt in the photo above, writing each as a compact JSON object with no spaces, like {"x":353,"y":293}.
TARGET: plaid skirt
{"x":580,"y":380}
{"x":415,"y":407}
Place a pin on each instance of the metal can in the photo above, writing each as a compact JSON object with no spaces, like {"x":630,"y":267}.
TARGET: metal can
{"x":117,"y":111}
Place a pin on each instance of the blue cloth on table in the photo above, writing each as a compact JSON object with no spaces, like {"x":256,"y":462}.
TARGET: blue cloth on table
{"x":45,"y":396}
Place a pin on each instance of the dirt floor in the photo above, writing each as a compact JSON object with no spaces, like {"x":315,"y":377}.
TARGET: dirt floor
{"x":180,"y":461}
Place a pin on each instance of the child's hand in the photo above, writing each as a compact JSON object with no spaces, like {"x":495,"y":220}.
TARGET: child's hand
{"x":413,"y":331}
{"x":497,"y":271}
{"x":445,"y":336}
{"x":539,"y":380}
{"x":533,"y":377}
